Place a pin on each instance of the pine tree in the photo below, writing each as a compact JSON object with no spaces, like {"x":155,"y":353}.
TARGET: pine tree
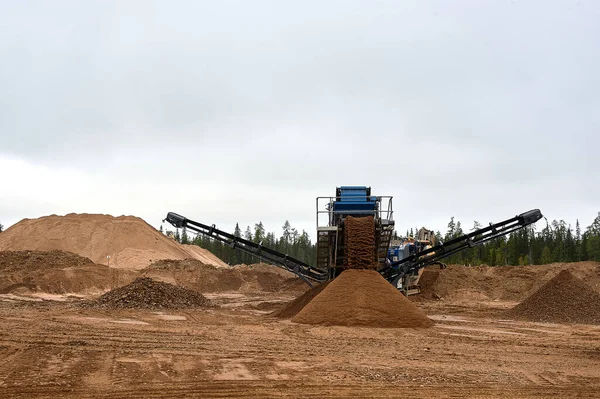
{"x":578,"y":251}
{"x":287,"y":236}
{"x":1,"y":227}
{"x":259,"y":232}
{"x":451,"y":230}
{"x":546,"y":256}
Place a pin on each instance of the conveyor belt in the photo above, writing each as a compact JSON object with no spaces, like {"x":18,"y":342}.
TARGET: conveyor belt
{"x":305,"y":271}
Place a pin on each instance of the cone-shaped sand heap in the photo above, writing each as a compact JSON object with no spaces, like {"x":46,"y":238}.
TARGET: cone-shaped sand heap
{"x":362,"y":298}
{"x":564,"y":299}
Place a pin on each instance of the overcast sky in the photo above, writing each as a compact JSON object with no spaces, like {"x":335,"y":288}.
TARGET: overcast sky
{"x":246,"y":111}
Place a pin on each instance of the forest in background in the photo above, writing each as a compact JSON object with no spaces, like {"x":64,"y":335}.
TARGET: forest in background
{"x":555,"y":242}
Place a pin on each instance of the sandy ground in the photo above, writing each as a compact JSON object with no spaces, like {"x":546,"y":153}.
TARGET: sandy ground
{"x":55,"y":349}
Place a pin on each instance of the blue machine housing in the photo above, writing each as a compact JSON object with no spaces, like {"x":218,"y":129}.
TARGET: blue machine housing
{"x":354,"y":200}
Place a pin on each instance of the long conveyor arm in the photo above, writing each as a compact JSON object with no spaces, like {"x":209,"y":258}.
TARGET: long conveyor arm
{"x":303,"y":270}
{"x":435,"y":254}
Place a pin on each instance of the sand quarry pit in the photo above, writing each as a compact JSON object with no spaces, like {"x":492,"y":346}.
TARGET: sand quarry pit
{"x":61,"y":349}
{"x":139,"y":344}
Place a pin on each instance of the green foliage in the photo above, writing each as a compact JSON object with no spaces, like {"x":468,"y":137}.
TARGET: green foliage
{"x":292,"y":243}
{"x":185,"y":239}
{"x":557,"y":242}
{"x":1,"y":227}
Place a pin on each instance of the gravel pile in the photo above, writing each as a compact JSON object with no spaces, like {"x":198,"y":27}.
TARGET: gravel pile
{"x":145,"y":293}
{"x":564,"y":299}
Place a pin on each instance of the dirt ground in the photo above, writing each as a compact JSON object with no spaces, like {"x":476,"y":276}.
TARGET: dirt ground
{"x":57,"y":349}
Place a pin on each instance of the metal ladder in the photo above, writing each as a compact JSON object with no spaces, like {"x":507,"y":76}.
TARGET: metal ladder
{"x":327,"y":238}
{"x":383,"y":232}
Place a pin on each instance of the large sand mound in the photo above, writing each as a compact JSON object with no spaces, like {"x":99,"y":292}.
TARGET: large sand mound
{"x":145,"y":293}
{"x":56,"y":272}
{"x":564,"y":299}
{"x":362,"y":298}
{"x":130,"y":242}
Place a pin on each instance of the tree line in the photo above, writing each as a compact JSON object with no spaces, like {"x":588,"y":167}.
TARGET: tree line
{"x":292,"y":242}
{"x":556,"y":242}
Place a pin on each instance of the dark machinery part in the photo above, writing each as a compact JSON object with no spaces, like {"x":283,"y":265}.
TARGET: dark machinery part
{"x":305,"y":271}
{"x":395,"y":271}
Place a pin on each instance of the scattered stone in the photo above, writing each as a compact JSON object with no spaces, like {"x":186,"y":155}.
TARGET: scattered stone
{"x":145,"y":293}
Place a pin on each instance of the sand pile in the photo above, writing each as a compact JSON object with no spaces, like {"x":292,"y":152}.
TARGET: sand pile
{"x":197,"y":276}
{"x":145,"y":293}
{"x":130,"y":242}
{"x":56,"y":272}
{"x":359,"y":243}
{"x":564,"y":299}
{"x":362,"y":298}
{"x":292,"y":308}
{"x":511,"y":283}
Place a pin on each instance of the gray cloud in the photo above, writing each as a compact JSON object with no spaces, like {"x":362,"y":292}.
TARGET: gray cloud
{"x":465,"y":109}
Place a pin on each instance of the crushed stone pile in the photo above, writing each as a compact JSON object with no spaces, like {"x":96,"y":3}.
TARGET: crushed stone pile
{"x":145,"y":293}
{"x":292,"y":308}
{"x":130,"y":242}
{"x":359,"y":243}
{"x":37,"y":260}
{"x":564,"y":299}
{"x":362,"y":298}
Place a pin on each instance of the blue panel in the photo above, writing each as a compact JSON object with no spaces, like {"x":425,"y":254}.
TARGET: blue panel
{"x":364,"y":207}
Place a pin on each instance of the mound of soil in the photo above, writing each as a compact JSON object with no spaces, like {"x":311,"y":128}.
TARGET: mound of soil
{"x":511,"y":283}
{"x":359,"y":243}
{"x":145,"y":293}
{"x":362,"y":298}
{"x":56,"y":272}
{"x":564,"y":299}
{"x":292,"y":308}
{"x":195,"y":275}
{"x":130,"y":242}
{"x":11,"y":261}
